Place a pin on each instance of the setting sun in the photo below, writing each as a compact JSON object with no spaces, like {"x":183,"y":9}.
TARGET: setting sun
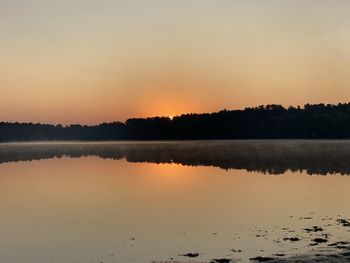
{"x":174,"y":131}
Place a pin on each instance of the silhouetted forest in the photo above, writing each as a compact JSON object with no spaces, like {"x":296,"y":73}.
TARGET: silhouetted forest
{"x":318,"y":121}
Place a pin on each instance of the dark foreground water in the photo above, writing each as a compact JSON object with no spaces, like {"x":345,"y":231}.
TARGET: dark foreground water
{"x":173,"y":201}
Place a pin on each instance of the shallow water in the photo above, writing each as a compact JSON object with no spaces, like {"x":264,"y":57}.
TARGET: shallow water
{"x":144,"y":202}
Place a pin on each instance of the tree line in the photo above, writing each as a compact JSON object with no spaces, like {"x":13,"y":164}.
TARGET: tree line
{"x":313,"y":121}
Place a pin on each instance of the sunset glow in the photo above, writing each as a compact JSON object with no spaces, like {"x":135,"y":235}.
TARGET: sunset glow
{"x":75,"y":61}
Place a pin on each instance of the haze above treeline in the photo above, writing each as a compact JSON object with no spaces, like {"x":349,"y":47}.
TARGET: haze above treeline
{"x":313,"y":121}
{"x":88,"y":61}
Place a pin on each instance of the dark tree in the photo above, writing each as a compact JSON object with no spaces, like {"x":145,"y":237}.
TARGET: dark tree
{"x":318,"y":121}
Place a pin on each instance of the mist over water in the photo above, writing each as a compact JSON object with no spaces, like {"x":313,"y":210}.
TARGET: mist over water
{"x":315,"y":157}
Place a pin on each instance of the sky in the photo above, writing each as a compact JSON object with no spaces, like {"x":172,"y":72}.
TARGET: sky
{"x":93,"y":61}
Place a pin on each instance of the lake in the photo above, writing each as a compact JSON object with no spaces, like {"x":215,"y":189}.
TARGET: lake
{"x":167,"y":201}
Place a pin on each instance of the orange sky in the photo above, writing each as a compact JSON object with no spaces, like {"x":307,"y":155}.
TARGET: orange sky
{"x":89,"y":61}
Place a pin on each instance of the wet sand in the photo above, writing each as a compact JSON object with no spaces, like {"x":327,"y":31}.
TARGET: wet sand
{"x":341,"y":255}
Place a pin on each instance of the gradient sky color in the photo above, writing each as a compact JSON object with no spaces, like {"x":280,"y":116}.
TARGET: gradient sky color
{"x":92,"y":61}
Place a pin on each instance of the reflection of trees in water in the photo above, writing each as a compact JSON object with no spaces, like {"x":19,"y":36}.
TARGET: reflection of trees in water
{"x":269,"y":157}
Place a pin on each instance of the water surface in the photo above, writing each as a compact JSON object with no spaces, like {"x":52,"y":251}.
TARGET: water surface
{"x":155,"y":201}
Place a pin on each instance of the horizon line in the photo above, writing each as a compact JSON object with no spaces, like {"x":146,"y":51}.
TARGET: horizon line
{"x":179,"y":115}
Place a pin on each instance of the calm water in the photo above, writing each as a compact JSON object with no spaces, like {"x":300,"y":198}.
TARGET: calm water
{"x":144,"y":202}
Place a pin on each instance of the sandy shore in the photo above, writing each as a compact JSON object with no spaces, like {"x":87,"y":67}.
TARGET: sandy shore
{"x":342,"y":256}
{"x":340,"y":253}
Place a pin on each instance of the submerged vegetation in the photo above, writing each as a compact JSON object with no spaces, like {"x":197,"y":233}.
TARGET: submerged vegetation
{"x":318,"y":121}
